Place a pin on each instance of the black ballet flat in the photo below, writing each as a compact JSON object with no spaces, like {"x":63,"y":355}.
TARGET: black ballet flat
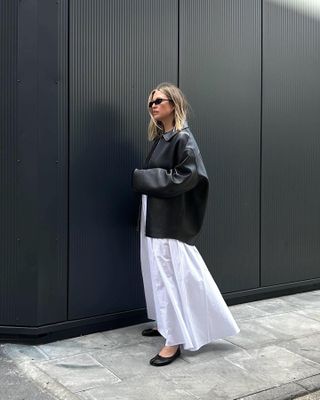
{"x":150,"y":332}
{"x":158,"y":360}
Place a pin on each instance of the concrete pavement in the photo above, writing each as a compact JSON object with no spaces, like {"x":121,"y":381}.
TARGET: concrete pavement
{"x":16,"y":385}
{"x":275,"y":356}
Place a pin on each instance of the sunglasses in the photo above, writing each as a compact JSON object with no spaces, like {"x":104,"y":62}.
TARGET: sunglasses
{"x":158,"y":101}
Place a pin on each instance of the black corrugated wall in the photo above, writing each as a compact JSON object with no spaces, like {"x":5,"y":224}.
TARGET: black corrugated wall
{"x":75,"y":76}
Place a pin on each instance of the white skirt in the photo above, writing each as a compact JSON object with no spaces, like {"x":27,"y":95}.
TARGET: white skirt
{"x":180,"y":292}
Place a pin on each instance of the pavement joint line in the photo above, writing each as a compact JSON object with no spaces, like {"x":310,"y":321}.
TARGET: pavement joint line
{"x":314,"y":390}
{"x":44,"y":381}
{"x":303,"y":387}
{"x":298,"y":382}
{"x":305,"y":358}
{"x":273,"y":387}
{"x":307,"y":395}
{"x":41,"y":351}
{"x":307,"y":316}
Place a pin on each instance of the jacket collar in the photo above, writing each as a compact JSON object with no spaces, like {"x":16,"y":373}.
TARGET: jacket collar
{"x":167,"y":136}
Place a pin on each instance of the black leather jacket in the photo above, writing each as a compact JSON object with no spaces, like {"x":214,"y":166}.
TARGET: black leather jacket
{"x":175,"y":181}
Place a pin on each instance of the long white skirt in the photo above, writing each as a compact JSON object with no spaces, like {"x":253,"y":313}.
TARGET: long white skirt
{"x":180,"y":292}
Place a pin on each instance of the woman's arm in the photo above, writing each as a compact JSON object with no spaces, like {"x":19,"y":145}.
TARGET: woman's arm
{"x":160,"y":182}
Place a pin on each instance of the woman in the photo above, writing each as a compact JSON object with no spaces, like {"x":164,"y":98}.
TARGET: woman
{"x":180,"y":292}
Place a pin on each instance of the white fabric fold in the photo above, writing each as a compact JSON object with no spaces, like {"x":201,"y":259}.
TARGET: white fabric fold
{"x":181,"y":294}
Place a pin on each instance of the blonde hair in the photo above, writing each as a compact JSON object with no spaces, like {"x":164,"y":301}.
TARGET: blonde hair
{"x":181,"y":109}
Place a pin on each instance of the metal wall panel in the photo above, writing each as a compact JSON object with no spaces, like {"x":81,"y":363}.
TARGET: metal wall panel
{"x":220,"y":72}
{"x":290,"y":213}
{"x":119,"y":50}
{"x":8,"y":144}
{"x":33,"y":186}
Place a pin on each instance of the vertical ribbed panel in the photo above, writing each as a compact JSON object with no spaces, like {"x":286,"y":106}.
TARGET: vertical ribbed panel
{"x":220,"y":73}
{"x":290,"y":213}
{"x":8,"y":144}
{"x":119,"y":51}
{"x":33,"y":175}
{"x":62,"y":146}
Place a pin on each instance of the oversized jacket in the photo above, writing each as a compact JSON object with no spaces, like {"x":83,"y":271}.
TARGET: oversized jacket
{"x":175,"y":181}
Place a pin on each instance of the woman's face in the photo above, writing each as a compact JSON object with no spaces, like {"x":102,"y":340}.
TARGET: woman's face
{"x":163,"y":110}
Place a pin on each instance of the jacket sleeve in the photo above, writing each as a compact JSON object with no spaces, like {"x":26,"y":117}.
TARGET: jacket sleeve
{"x":160,"y":182}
